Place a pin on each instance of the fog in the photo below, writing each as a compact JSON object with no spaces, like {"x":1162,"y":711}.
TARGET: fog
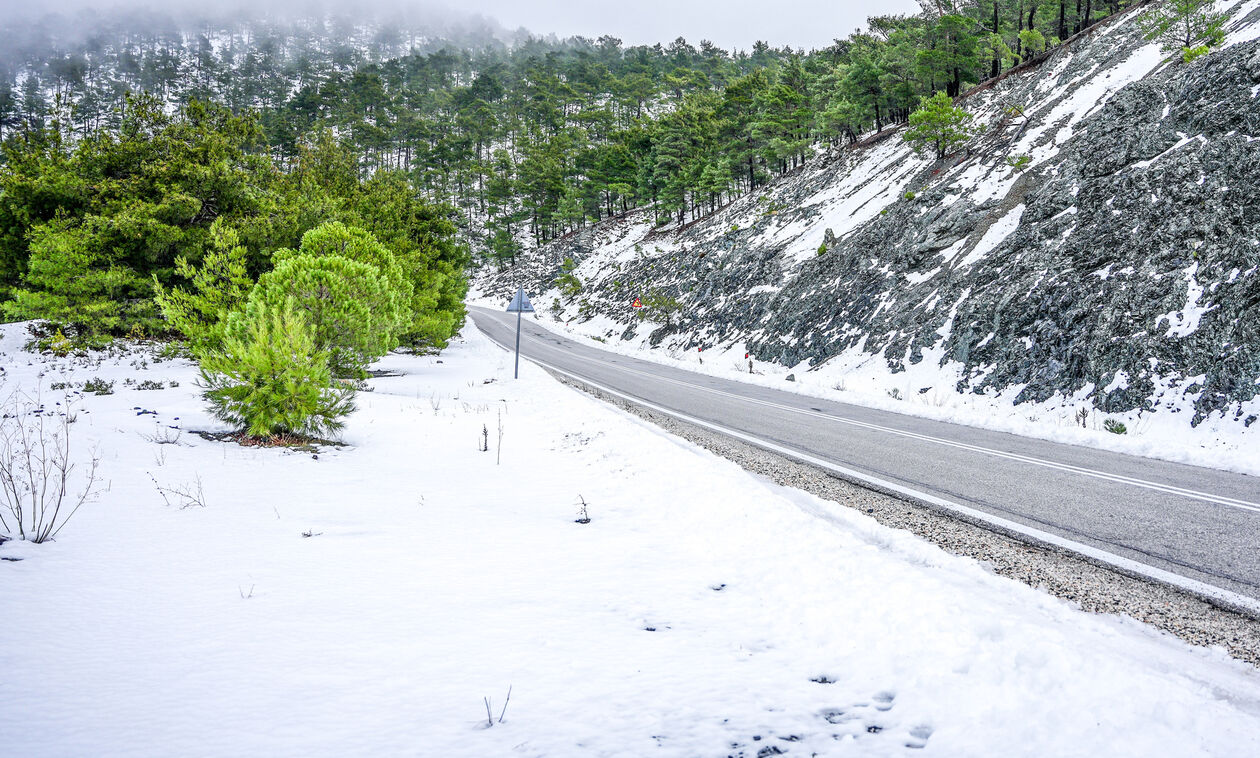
{"x":731,"y":24}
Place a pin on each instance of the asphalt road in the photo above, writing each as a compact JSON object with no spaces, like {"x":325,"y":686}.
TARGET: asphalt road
{"x":1192,"y":526}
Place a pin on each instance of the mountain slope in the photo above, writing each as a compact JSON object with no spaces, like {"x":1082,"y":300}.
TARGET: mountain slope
{"x":1098,"y":245}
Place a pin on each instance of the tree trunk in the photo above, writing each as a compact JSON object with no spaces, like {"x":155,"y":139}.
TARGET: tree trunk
{"x":997,"y":29}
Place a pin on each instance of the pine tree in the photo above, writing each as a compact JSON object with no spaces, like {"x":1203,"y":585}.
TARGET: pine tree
{"x":940,"y":124}
{"x":1189,"y":26}
{"x":270,"y":378}
{"x":349,"y":306}
{"x":219,"y":287}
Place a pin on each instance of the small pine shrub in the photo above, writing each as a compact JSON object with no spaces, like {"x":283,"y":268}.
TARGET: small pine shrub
{"x":149,"y":384}
{"x":271,"y":379}
{"x":1191,"y":54}
{"x":59,"y":345}
{"x":822,"y":249}
{"x":910,"y":196}
{"x":1115,"y":427}
{"x":1018,"y":161}
{"x":98,"y":386}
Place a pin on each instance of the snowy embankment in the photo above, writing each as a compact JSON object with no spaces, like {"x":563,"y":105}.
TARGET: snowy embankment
{"x":701,"y":612}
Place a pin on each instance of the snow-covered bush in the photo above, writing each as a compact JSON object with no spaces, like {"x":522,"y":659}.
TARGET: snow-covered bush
{"x":39,"y":491}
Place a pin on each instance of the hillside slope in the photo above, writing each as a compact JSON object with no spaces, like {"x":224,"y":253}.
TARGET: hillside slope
{"x":1100,"y":249}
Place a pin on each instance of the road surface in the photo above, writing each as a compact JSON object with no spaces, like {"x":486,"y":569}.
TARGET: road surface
{"x":1195,"y":527}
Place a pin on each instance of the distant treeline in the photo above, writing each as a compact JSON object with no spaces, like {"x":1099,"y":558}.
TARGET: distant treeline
{"x":531,"y":138}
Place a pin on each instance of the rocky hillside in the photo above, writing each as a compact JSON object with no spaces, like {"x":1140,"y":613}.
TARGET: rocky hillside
{"x":1099,"y":241}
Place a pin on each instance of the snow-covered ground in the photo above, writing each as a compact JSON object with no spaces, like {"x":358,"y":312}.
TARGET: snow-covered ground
{"x":702,"y":611}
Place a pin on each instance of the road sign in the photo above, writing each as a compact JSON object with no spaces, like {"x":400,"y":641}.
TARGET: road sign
{"x":637,"y":303}
{"x":520,"y":304}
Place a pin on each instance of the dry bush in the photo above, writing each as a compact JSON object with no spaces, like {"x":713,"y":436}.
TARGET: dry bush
{"x":38,"y":492}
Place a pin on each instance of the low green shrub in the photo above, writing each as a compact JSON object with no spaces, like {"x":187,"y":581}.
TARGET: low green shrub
{"x":98,"y":386}
{"x":270,"y":378}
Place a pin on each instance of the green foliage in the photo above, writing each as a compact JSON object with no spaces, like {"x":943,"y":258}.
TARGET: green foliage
{"x":1114,"y":426}
{"x":353,"y":313}
{"x":218,"y":287}
{"x":98,"y":386}
{"x":270,"y":378}
{"x":1190,"y":27}
{"x":910,"y":196}
{"x":89,"y":228}
{"x":164,"y":224}
{"x":568,"y":283}
{"x":1018,"y":162}
{"x":422,"y":238}
{"x":660,"y":306}
{"x":1191,"y":54}
{"x":336,"y":239}
{"x":1033,"y":42}
{"x":59,"y":345}
{"x":940,"y":124}
{"x":822,"y":249}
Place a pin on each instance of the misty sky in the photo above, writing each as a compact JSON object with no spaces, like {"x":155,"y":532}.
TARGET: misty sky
{"x":731,"y":24}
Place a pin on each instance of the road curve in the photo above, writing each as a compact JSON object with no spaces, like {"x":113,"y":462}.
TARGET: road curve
{"x":1195,"y":527}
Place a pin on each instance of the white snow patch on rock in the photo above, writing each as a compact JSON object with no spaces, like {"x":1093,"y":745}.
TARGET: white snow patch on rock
{"x":994,"y":236}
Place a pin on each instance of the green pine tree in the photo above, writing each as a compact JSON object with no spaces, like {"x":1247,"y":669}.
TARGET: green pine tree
{"x":351,"y":309}
{"x":940,"y":124}
{"x":269,"y":378}
{"x":1189,"y":26}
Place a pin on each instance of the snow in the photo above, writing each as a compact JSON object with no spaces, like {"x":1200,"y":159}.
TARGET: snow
{"x":1086,"y":94}
{"x":995,"y":235}
{"x":1184,"y":322}
{"x":876,"y":179}
{"x":953,"y":250}
{"x":918,"y":277}
{"x":436,"y":576}
{"x":1242,"y":26}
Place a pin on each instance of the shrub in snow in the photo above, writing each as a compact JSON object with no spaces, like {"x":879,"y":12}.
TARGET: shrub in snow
{"x":37,"y":469}
{"x":1115,"y":427}
{"x":98,"y":386}
{"x":271,"y":378}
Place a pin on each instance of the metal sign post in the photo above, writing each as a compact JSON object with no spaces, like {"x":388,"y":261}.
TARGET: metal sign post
{"x":520,"y":304}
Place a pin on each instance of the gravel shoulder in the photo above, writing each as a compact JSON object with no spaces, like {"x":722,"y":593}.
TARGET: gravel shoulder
{"x":1095,"y":588}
